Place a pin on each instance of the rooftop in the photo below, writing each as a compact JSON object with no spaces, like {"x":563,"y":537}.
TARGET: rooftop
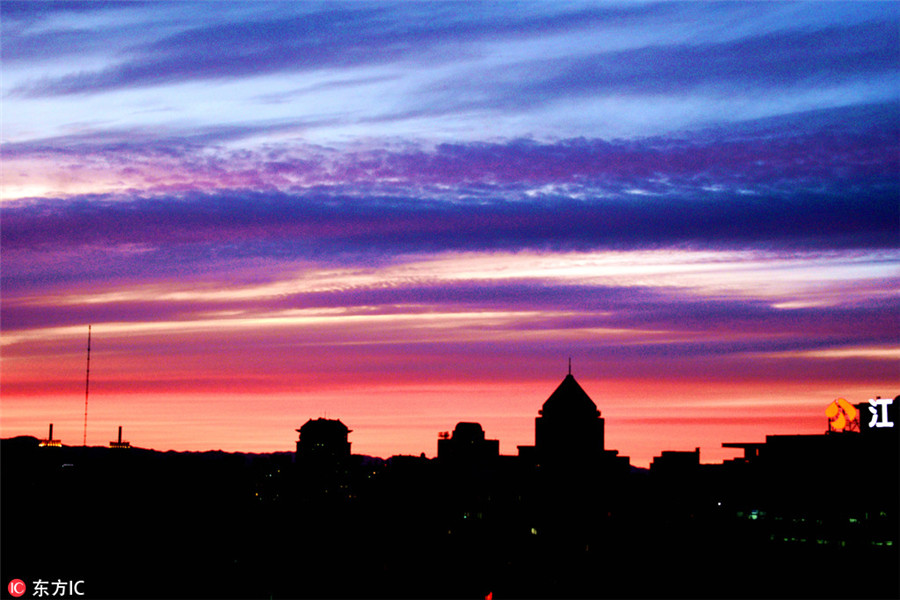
{"x":569,"y":399}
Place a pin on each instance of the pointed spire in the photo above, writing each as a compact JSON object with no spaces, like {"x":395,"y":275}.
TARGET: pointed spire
{"x":568,"y":398}
{"x":570,"y":365}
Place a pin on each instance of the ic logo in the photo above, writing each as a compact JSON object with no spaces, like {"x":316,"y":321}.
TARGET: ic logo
{"x":16,"y":588}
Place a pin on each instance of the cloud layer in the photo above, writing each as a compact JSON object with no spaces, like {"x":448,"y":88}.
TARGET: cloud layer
{"x":408,"y":215}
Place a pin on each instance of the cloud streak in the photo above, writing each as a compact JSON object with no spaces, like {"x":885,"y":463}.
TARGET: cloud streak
{"x":343,"y":36}
{"x":304,"y":225}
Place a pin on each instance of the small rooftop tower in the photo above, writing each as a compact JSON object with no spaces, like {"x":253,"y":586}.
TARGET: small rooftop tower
{"x":120,"y":443}
{"x":50,"y":442}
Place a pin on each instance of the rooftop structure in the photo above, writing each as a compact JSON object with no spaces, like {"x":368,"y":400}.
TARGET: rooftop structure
{"x":50,"y":442}
{"x":120,"y":443}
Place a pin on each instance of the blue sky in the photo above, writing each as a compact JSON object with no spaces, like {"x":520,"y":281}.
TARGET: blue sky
{"x":336,"y":72}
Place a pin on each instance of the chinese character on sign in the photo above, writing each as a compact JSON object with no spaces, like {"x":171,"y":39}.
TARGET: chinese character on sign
{"x":40,"y":588}
{"x":880,"y":418}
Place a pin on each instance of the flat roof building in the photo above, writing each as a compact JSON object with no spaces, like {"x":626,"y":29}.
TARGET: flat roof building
{"x":467,"y":445}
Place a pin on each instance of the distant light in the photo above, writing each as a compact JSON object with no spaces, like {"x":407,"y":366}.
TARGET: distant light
{"x":533,"y":531}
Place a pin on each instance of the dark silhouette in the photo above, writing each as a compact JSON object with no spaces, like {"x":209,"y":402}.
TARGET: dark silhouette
{"x":797,"y":516}
{"x":676,"y":463}
{"x":468,"y":445}
{"x":569,"y":437}
{"x":50,"y":442}
{"x":323,"y":439}
{"x":119,"y":444}
{"x":570,"y":427}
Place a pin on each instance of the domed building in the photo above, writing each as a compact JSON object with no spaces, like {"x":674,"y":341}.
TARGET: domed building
{"x":323,"y":439}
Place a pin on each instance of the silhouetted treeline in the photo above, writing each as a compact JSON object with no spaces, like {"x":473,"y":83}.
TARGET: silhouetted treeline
{"x":141,"y":524}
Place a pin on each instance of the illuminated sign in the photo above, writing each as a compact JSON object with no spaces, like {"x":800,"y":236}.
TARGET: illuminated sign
{"x":842,"y":416}
{"x":880,"y":417}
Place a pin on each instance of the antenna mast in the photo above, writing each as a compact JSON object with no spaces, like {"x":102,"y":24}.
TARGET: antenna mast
{"x":87,"y":384}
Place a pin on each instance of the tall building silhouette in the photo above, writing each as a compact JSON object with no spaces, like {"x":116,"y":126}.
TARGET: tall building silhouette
{"x":569,"y":432}
{"x":569,"y":427}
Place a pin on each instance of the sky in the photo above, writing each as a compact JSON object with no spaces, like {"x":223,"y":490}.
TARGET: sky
{"x":407,"y":215}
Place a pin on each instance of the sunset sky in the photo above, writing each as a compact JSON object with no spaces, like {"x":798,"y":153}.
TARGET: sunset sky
{"x":409,"y":215}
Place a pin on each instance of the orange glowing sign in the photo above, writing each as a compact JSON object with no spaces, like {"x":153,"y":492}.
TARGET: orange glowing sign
{"x":842,"y":415}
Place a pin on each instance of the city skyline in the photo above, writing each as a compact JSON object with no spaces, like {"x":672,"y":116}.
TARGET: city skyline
{"x":407,"y":216}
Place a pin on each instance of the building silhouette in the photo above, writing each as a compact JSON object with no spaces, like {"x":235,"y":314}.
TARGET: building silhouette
{"x":467,"y":445}
{"x":675,"y":462}
{"x":323,"y":439}
{"x":569,"y":426}
{"x":872,"y":439}
{"x":569,"y":433}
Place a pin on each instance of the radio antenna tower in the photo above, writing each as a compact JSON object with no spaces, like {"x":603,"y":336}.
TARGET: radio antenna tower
{"x":87,"y":384}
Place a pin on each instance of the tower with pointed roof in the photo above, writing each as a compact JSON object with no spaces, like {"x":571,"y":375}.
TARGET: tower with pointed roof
{"x":569,"y":428}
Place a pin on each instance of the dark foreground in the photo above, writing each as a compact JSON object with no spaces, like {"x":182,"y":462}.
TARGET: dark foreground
{"x":141,"y":524}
